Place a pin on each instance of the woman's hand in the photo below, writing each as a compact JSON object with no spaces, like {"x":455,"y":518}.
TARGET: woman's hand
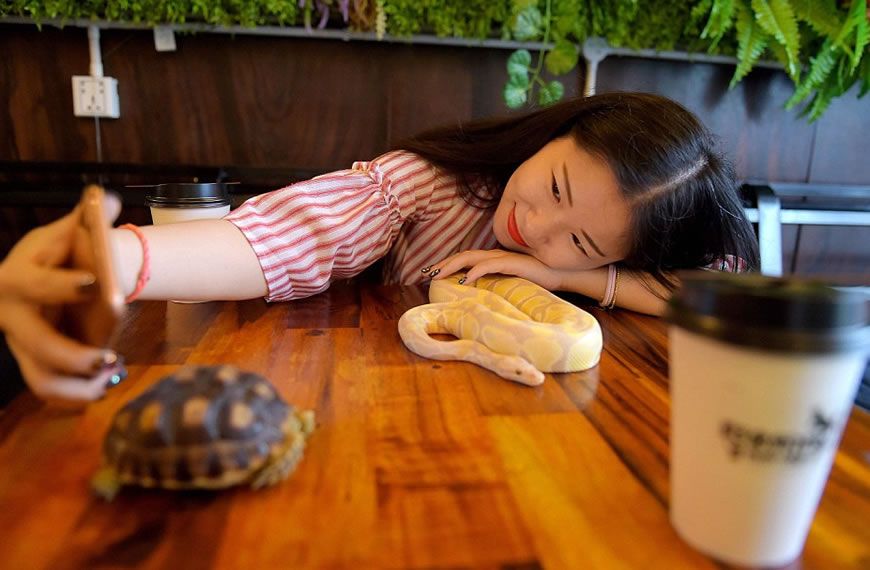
{"x":484,"y":262}
{"x":31,"y":284}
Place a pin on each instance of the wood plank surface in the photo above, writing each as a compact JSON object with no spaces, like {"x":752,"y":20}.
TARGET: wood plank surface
{"x":415,"y":463}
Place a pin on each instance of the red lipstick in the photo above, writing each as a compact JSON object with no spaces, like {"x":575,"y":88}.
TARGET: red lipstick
{"x":513,"y":230}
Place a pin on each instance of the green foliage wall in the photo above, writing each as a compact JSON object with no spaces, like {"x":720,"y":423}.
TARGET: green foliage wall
{"x":824,"y":45}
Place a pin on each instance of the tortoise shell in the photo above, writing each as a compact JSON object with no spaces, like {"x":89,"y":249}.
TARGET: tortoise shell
{"x":206,"y":427}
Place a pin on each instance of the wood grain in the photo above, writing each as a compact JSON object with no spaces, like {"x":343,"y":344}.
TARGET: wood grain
{"x":415,"y":463}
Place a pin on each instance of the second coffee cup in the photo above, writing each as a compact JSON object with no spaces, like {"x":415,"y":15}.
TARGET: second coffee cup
{"x":186,"y":201}
{"x":763,"y":375}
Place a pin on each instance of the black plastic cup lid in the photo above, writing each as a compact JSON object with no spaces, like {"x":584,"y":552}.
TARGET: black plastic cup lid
{"x":782,"y":314}
{"x":188,"y":195}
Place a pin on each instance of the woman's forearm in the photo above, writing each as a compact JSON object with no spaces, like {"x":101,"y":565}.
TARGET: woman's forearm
{"x":190,"y":261}
{"x":632,"y":292}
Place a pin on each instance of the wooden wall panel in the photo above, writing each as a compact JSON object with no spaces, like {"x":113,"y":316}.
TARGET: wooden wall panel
{"x":835,"y":251}
{"x":789,"y":248}
{"x":765,"y":142}
{"x":841,"y":153}
{"x":36,"y":111}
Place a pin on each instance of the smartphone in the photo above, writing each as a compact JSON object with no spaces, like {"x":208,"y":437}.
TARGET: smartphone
{"x":94,"y":321}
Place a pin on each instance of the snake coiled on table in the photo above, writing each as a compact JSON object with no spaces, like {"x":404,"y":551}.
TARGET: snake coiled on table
{"x":509,"y":325}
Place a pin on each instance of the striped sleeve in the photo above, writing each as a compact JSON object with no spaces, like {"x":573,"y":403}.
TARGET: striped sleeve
{"x":727,"y":263}
{"x":333,"y":226}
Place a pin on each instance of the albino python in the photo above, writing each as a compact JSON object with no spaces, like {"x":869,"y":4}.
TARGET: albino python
{"x":509,"y":325}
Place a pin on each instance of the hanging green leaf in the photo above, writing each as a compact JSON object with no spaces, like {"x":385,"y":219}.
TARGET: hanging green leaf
{"x":515,"y":92}
{"x":864,"y":74}
{"x":518,"y":62}
{"x":550,"y":93}
{"x":842,"y":75}
{"x":520,"y":5}
{"x":528,"y":24}
{"x":701,"y":10}
{"x":778,"y":51}
{"x":720,"y":21}
{"x":862,"y":31}
{"x":821,"y":15}
{"x":751,"y":41}
{"x":820,"y":69}
{"x":562,"y":58}
{"x":777,"y":19}
{"x":819,"y":104}
{"x":852,"y":18}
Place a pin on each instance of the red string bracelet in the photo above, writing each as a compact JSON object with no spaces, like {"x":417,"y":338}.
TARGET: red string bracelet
{"x":145,"y":271}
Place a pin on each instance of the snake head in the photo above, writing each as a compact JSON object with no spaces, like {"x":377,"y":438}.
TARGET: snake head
{"x":518,"y":370}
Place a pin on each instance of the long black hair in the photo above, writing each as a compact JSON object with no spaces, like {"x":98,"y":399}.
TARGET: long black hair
{"x":685,"y":208}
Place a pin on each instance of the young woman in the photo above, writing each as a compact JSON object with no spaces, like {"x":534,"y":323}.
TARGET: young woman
{"x":604,"y":196}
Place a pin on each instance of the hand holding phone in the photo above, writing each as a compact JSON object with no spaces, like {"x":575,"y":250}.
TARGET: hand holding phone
{"x":40,"y":293}
{"x":94,"y":321}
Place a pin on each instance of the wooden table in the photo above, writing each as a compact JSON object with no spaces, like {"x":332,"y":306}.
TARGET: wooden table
{"x":415,"y":464}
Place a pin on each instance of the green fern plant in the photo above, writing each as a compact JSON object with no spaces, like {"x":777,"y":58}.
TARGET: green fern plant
{"x":822,"y":46}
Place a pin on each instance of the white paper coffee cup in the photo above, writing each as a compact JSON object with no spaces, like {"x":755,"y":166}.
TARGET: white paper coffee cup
{"x":184,"y":202}
{"x":169,"y":215}
{"x":763,"y":373}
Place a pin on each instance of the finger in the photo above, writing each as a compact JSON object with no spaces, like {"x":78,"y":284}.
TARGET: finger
{"x":54,"y":350}
{"x":484,"y":268}
{"x":49,"y":285}
{"x":59,"y":236}
{"x":506,"y":265}
{"x":56,"y":239}
{"x":56,"y":388}
{"x":462,"y":260}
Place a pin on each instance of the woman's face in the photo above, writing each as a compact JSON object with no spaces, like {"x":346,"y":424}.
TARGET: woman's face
{"x":563,"y":206}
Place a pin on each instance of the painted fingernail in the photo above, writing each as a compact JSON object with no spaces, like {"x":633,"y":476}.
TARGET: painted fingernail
{"x":462,"y":281}
{"x":426,"y":269}
{"x":434,"y":273}
{"x":106,"y":359}
{"x":87,"y":283}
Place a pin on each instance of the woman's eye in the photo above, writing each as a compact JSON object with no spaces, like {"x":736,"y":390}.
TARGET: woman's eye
{"x":579,"y":245}
{"x":555,"y":190}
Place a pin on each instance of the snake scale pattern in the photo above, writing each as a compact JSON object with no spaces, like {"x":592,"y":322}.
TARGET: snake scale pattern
{"x":509,"y":325}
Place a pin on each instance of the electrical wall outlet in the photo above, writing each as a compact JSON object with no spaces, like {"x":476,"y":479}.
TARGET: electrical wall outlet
{"x":95,"y":97}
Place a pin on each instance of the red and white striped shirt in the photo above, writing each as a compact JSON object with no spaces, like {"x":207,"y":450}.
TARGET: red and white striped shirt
{"x":398,"y":206}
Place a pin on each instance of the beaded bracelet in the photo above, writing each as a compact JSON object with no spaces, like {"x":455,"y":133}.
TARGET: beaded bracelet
{"x":145,"y":270}
{"x":615,"y":290}
{"x":609,"y":300}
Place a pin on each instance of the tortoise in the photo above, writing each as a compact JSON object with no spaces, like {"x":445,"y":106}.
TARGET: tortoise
{"x":204,"y":427}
